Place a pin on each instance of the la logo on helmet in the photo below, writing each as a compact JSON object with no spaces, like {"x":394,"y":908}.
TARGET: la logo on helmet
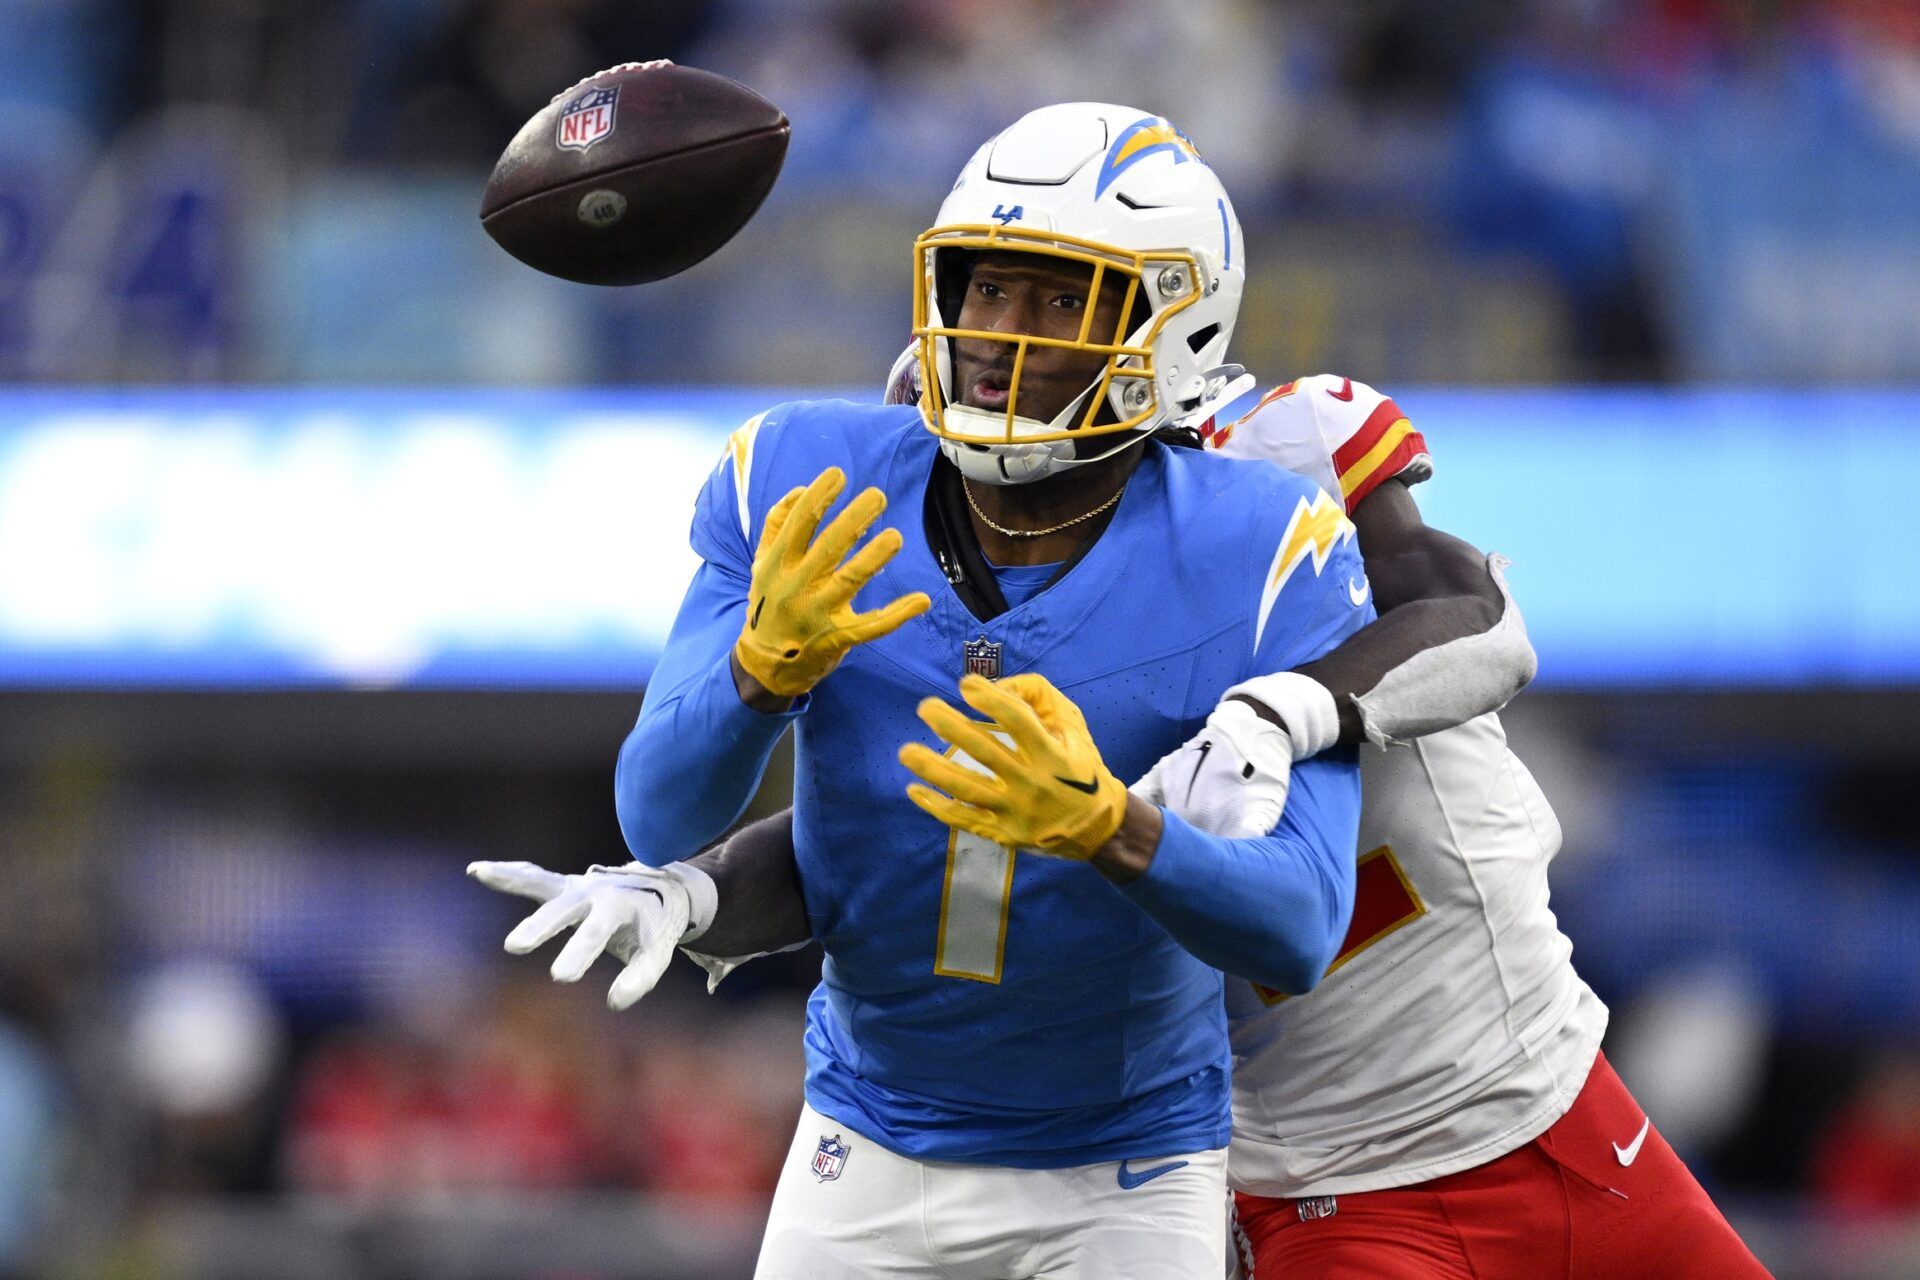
{"x":1004,"y":215}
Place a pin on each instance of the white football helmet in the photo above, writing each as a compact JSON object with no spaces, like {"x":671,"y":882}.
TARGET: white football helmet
{"x":1125,"y":192}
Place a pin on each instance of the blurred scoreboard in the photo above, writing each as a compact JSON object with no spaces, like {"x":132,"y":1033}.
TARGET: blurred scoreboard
{"x":324,"y":538}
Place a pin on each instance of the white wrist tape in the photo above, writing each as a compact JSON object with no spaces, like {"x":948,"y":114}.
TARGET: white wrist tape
{"x":1303,"y":704}
{"x":701,"y":892}
{"x":1452,"y":683}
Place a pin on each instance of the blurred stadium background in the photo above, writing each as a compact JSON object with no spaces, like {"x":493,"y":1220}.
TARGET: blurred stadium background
{"x":335,"y":546}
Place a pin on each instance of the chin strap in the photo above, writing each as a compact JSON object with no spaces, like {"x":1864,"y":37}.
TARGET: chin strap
{"x":1012,"y":462}
{"x":1003,"y":463}
{"x":1019,"y":462}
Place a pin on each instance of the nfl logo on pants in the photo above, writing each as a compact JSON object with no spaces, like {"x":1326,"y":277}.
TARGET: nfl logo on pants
{"x":1317,"y":1207}
{"x":830,"y":1158}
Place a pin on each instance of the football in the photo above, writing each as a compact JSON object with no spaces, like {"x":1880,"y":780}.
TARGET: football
{"x":634,"y":174}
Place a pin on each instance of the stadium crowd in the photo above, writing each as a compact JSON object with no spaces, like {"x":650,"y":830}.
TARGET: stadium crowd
{"x":1486,"y":191}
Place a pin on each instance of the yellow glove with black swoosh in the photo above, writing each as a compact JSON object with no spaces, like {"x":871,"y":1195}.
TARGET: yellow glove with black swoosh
{"x":1039,"y":783}
{"x":800,"y":618}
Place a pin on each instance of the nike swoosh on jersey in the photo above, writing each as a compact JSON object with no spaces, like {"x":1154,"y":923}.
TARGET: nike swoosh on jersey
{"x":1358,"y":594}
{"x":1197,"y":765}
{"x":1629,"y":1153}
{"x":1345,"y":392}
{"x":1129,"y":1180}
{"x":1090,"y":786}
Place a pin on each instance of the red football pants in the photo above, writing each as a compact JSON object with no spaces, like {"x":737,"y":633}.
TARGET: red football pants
{"x":1563,"y":1207}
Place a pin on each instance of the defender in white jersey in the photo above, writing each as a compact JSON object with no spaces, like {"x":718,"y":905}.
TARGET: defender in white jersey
{"x":1438,"y":1105}
{"x":1357,"y":1086}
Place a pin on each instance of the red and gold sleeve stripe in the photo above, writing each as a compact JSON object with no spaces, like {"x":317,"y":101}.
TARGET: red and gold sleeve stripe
{"x":1383,"y":447}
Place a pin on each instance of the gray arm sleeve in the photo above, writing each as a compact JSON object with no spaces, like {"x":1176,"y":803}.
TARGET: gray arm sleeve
{"x":718,"y":967}
{"x":1452,"y":683}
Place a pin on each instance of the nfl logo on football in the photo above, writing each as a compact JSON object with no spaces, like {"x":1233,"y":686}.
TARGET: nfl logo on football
{"x":830,"y":1158}
{"x":983,"y":658}
{"x":588,"y":118}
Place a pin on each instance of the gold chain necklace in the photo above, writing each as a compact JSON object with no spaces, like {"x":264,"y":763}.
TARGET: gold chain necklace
{"x":1035,"y":533}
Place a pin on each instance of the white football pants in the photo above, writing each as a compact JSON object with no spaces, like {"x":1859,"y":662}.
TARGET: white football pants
{"x":869,"y":1212}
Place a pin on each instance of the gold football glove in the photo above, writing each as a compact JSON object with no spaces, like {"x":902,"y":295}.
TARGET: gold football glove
{"x":800,"y":618}
{"x":1049,"y":791}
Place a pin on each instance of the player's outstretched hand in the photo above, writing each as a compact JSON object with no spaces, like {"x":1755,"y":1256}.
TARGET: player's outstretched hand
{"x":1230,"y":779}
{"x":1034,"y":778}
{"x":636,"y":913}
{"x":800,"y":618}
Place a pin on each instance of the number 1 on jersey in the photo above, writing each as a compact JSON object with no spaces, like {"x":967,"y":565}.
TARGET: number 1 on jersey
{"x":973,"y":909}
{"x":974,"y":903}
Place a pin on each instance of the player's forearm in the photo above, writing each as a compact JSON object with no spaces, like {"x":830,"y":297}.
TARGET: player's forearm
{"x":690,"y":766}
{"x":1256,"y":909}
{"x":1430,"y":664}
{"x":1448,"y":645}
{"x":1271,"y":909}
{"x":1388,"y":643}
{"x":761,"y":907}
{"x":697,"y":753}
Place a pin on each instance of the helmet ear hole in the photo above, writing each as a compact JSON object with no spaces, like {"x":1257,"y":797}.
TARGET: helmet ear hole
{"x":1197,"y":340}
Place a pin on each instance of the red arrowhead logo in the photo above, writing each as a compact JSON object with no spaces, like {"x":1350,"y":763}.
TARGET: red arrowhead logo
{"x":1345,"y":392}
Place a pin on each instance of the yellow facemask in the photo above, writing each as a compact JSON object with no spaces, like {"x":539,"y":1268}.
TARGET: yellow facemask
{"x":1170,"y":278}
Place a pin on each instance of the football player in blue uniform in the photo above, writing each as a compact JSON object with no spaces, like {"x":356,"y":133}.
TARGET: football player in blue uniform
{"x":1016,"y":1057}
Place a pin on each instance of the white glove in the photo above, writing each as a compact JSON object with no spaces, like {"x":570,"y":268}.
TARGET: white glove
{"x":1230,"y":779}
{"x":637,"y":913}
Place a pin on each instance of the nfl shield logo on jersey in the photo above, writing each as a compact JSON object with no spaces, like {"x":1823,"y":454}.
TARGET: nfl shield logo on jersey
{"x":983,"y":658}
{"x":830,"y":1158}
{"x":588,"y":118}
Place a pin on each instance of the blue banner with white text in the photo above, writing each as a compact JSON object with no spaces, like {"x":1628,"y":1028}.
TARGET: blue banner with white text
{"x":266,"y":539}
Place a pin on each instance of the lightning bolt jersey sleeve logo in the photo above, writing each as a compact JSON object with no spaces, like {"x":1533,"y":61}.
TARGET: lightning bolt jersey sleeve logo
{"x":1315,"y":529}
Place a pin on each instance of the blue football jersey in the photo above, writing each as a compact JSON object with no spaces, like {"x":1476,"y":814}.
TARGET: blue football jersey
{"x":979,"y":1004}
